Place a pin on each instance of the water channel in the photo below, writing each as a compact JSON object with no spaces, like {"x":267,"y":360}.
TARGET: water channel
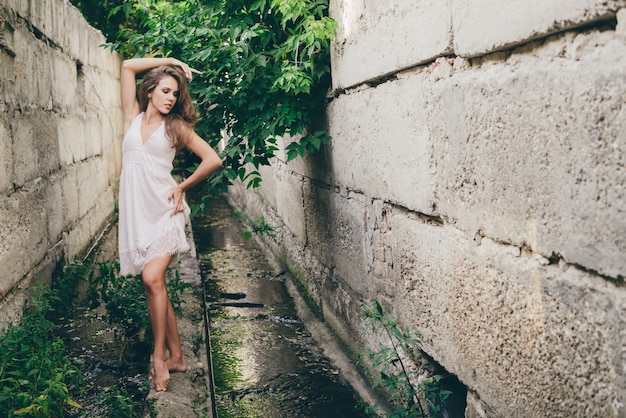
{"x":265,"y":362}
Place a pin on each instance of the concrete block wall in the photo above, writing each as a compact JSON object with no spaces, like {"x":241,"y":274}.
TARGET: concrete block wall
{"x":475,"y":185}
{"x":60,"y":135}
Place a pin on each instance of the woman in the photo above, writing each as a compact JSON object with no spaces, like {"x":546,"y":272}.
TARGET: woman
{"x":152,"y":210}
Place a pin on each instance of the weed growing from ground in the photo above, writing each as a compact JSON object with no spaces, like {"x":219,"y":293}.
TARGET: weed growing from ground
{"x":119,"y":404}
{"x":34,"y":369}
{"x":400,"y":370}
{"x":125,"y":300}
{"x":258,"y":226}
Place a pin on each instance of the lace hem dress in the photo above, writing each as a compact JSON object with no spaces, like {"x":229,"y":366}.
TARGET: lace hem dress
{"x":147,"y":231}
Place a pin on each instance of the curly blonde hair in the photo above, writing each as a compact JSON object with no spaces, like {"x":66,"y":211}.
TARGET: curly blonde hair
{"x":181,"y":120}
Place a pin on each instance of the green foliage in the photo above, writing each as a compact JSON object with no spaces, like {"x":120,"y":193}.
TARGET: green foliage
{"x":34,"y":369}
{"x":107,"y":15}
{"x":64,"y":287}
{"x":119,"y":404}
{"x":400,"y":370}
{"x":125,"y":299}
{"x":266,"y":70}
{"x":258,"y":226}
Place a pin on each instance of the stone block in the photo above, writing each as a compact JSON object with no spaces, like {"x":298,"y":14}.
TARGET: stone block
{"x":269,"y":174}
{"x":42,"y":16}
{"x":381,"y":145}
{"x":33,"y":81}
{"x":6,"y":158}
{"x":7,"y":82}
{"x":347,"y":241}
{"x":97,"y":56}
{"x":531,"y":339}
{"x":78,"y":46}
{"x":50,"y":19}
{"x":620,"y":30}
{"x":375,"y":39}
{"x":341,"y":308}
{"x":21,"y":7}
{"x":83,"y":231}
{"x":109,"y":98}
{"x":290,"y":203}
{"x":485,"y":26}
{"x":538,"y":167}
{"x":10,"y":245}
{"x":35,"y":147}
{"x":72,"y":140}
{"x":70,"y":193}
{"x":97,"y":130}
{"x":7,"y":62}
{"x":23,"y":226}
{"x":11,"y":306}
{"x":319,"y":214}
{"x":63,"y":87}
{"x":92,"y":182}
{"x":55,"y":208}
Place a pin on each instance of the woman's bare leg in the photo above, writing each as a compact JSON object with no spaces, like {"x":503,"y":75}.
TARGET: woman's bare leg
{"x":153,"y":278}
{"x":176,"y":362}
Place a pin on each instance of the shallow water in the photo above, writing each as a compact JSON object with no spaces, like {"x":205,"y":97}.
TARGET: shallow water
{"x":265,"y":362}
{"x":109,"y":369}
{"x":115,"y":375}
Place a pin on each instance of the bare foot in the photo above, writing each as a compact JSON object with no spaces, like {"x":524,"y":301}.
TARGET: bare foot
{"x":160,"y":375}
{"x":176,"y":364}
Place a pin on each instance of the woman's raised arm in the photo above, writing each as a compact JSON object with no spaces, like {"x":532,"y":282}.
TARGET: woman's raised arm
{"x":128,"y":88}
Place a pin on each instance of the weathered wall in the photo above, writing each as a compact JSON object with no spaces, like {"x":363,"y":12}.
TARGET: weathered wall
{"x":476,"y":185}
{"x":60,"y":131}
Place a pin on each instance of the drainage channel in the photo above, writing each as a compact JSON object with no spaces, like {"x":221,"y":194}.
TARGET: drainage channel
{"x":264,"y":361}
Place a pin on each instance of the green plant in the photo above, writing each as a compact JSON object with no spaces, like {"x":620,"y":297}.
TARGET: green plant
{"x":125,"y":299}
{"x":98,"y":13}
{"x":266,"y":71}
{"x":64,"y":287}
{"x":258,"y":226}
{"x":400,"y":369}
{"x":34,"y":369}
{"x":119,"y":404}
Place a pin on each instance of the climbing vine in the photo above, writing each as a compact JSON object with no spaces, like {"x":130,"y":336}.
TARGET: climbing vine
{"x":265,"y":67}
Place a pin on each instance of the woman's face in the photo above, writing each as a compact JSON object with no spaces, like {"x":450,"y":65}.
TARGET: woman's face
{"x":164,"y":96}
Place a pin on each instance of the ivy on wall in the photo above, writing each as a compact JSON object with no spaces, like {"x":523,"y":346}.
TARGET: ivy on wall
{"x":266,"y":71}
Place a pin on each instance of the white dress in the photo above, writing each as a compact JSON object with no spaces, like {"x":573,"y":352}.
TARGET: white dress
{"x":147,"y":230}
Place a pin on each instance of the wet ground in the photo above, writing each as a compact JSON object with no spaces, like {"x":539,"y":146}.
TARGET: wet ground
{"x":111,"y":379}
{"x":265,"y":362}
{"x":114,"y":373}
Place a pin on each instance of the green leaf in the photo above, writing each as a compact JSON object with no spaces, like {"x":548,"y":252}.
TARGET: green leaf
{"x":74,"y":404}
{"x":266,"y":67}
